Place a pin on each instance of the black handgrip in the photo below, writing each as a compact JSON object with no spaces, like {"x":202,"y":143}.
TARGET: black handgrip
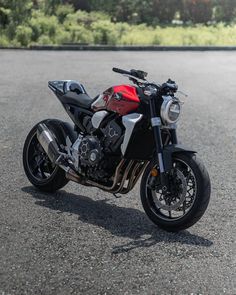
{"x":120,"y":71}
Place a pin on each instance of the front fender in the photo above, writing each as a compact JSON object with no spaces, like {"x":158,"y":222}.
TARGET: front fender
{"x":172,"y":149}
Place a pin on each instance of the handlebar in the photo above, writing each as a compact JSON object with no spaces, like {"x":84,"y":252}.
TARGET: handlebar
{"x":139,"y":77}
{"x":133,"y":74}
{"x":120,"y":71}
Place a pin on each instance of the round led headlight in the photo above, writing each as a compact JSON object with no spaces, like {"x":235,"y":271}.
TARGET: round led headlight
{"x":170,"y":110}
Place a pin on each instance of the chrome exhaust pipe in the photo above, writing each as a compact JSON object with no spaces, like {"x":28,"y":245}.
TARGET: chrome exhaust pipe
{"x":48,"y":142}
{"x":72,"y":175}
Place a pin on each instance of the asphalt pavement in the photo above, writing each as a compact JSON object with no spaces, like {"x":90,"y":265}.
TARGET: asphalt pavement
{"x":84,"y":241}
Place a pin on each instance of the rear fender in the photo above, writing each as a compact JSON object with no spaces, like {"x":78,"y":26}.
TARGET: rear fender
{"x":68,"y":131}
{"x":65,"y":129}
{"x":173,"y":149}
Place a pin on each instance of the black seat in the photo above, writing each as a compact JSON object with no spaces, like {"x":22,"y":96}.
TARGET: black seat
{"x":81,"y":99}
{"x":71,"y":92}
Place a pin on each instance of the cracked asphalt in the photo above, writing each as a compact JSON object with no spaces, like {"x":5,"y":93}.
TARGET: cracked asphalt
{"x":84,"y":241}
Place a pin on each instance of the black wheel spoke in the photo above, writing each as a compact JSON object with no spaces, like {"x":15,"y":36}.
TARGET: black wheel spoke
{"x":39,"y":164}
{"x":47,"y":168}
{"x":177,"y":202}
{"x":42,"y":172}
{"x":33,"y":156}
{"x":35,"y":168}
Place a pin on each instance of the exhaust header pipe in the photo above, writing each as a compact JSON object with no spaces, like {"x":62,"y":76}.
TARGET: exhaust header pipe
{"x":48,"y":142}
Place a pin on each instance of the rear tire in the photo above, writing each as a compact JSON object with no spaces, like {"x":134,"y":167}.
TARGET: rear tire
{"x":198,"y":204}
{"x":46,"y":176}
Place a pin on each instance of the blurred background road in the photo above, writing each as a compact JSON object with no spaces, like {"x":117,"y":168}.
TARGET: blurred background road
{"x":84,"y":241}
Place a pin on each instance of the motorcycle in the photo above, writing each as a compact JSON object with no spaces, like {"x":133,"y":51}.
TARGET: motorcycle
{"x":121,"y":134}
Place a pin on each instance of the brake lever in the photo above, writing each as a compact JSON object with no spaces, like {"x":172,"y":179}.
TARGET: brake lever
{"x":181,"y":92}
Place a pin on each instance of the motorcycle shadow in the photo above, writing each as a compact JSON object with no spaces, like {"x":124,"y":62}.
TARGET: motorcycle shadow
{"x":119,"y":221}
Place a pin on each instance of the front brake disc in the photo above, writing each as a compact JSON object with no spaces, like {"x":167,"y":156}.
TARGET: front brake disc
{"x":161,"y":201}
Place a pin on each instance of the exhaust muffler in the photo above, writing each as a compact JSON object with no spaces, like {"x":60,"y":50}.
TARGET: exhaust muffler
{"x":48,"y":142}
{"x":51,"y":148}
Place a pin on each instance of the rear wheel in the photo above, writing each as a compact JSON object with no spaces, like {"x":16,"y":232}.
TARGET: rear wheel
{"x":41,"y":172}
{"x":188,"y":198}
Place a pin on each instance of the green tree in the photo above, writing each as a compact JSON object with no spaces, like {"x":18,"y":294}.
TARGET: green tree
{"x":196,"y":11}
{"x":62,"y":11}
{"x":17,"y":10}
{"x":50,"y":6}
{"x":4,"y":17}
{"x":81,"y":4}
{"x":165,"y":10}
{"x":23,"y":35}
{"x":225,"y":10}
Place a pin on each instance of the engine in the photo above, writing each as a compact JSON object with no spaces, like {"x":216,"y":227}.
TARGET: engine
{"x":98,"y":155}
{"x":90,"y":151}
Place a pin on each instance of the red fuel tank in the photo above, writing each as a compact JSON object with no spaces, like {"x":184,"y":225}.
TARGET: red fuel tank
{"x":121,"y":99}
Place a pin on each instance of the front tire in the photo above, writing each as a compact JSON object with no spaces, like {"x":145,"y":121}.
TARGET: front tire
{"x":38,"y":168}
{"x":189,"y":198}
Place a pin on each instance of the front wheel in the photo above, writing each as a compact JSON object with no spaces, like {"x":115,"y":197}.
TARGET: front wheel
{"x":187,"y":199}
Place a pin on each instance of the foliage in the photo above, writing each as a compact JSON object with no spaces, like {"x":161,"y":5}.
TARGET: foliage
{"x":177,"y":36}
{"x":165,"y":11}
{"x":197,"y":11}
{"x":26,"y":22}
{"x":43,"y":25}
{"x":138,"y":11}
{"x":62,"y":11}
{"x":4,"y":40}
{"x":105,"y":32}
{"x":225,"y":10}
{"x":4,"y":16}
{"x":23,"y":35}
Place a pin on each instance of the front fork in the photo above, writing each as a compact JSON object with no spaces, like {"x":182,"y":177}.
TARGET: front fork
{"x":156,"y":126}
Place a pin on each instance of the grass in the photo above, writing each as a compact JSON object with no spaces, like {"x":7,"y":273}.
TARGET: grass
{"x":178,"y":36}
{"x":106,"y":32}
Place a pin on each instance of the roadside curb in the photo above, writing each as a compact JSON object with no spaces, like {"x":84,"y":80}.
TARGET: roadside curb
{"x":124,"y":48}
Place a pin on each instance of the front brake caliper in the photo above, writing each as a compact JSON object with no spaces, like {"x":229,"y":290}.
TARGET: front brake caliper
{"x":152,"y":183}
